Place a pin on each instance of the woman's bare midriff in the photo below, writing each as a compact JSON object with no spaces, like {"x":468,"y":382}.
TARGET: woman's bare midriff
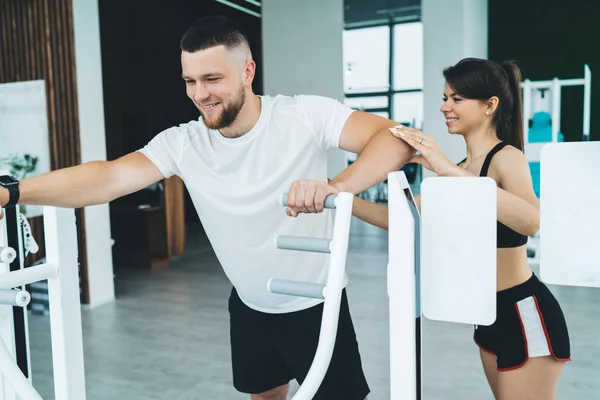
{"x":513,"y":268}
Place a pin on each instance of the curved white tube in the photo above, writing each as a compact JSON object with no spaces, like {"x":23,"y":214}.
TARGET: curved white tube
{"x":333,"y":294}
{"x":15,"y":377}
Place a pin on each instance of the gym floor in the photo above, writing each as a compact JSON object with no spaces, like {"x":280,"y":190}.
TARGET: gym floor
{"x":167,"y":335}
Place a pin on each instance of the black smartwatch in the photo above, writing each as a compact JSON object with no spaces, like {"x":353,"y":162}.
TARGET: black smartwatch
{"x":12,"y":185}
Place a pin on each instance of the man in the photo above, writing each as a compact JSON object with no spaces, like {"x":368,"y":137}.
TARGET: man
{"x":236,"y":160}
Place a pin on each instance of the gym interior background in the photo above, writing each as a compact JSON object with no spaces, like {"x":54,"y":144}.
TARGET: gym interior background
{"x":155,"y":318}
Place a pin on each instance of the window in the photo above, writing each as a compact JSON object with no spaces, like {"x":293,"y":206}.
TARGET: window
{"x":408,"y":108}
{"x":366,"y":59}
{"x":408,"y":56}
{"x":369,"y":87}
{"x":367,"y":80}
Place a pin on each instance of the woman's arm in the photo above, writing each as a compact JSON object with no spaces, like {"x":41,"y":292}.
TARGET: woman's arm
{"x":518,"y":206}
{"x":374,"y":213}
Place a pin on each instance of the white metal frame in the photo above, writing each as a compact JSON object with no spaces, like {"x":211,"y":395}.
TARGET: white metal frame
{"x":331,"y":292}
{"x":402,"y":277}
{"x":402,"y":286}
{"x":410,"y":273}
{"x":556,"y":85}
{"x":533,"y":151}
{"x":62,"y":272}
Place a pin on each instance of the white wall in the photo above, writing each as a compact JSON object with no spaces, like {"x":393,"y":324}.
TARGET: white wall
{"x":93,"y":146}
{"x":452,"y":30}
{"x":303,"y":52}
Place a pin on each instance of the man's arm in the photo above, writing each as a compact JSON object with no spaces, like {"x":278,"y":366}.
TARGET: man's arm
{"x":379,"y":152}
{"x":95,"y":182}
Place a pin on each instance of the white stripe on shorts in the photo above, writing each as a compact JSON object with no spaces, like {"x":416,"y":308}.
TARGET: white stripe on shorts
{"x":537,"y":344}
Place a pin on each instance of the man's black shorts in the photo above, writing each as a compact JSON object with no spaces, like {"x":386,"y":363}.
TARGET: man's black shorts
{"x":269,"y":350}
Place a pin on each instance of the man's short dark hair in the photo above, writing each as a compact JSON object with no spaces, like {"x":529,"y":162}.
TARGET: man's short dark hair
{"x":213,"y":31}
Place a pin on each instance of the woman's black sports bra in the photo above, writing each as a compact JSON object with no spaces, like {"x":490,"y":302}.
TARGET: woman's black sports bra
{"x":506,"y":237}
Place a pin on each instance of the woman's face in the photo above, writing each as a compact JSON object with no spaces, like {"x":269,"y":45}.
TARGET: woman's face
{"x":463,"y":115}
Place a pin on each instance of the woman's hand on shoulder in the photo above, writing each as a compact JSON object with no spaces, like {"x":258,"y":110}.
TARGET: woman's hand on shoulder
{"x":432,"y":157}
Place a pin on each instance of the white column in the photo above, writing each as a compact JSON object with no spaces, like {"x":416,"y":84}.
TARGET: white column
{"x":93,"y":146}
{"x":7,"y":327}
{"x":303,"y":52}
{"x":65,"y":310}
{"x":452,"y":30}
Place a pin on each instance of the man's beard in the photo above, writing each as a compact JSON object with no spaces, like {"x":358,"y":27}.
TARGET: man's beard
{"x":228,"y":114}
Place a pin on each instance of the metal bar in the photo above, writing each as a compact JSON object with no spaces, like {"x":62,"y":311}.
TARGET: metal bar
{"x":28,"y":275}
{"x":7,"y":327}
{"x":401,"y":291}
{"x":572,"y":82}
{"x":398,"y":9}
{"x":549,"y":84}
{"x":587,"y":100}
{"x":376,"y":110}
{"x":333,"y":294}
{"x":294,"y":288}
{"x":65,"y":309}
{"x":299,"y":243}
{"x":240,"y":8}
{"x":526,"y":108}
{"x":20,"y":324}
{"x":556,"y":97}
{"x":391,"y":72}
{"x":17,"y":298}
{"x":11,"y":372}
{"x":380,"y":93}
{"x":375,"y":23}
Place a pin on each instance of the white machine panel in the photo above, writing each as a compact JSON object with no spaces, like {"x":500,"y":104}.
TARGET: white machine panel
{"x":570,"y":214}
{"x":458,"y":249}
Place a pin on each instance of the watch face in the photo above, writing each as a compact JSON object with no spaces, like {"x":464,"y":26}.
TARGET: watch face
{"x":6,"y":180}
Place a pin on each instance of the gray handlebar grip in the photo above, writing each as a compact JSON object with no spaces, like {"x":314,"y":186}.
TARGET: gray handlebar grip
{"x":329,"y":200}
{"x":294,"y":288}
{"x":300,"y":243}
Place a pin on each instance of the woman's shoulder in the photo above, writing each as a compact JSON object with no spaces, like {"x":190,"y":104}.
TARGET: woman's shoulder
{"x":509,"y":160}
{"x":509,"y":153}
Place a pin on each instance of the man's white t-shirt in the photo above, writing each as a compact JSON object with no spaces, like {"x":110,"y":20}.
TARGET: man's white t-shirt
{"x":236,"y":184}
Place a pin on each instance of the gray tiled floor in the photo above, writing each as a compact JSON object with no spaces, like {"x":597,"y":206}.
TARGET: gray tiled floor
{"x":166,"y":337}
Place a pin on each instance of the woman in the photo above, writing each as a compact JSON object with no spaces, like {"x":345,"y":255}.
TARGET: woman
{"x":524,"y":351}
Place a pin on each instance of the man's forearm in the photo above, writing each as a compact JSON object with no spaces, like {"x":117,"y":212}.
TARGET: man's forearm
{"x":382,"y":154}
{"x":73,"y":187}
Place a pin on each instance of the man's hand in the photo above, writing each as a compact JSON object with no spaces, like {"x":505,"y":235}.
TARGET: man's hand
{"x":306,"y":196}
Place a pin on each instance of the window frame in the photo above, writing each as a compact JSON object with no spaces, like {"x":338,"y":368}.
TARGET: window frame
{"x":391,"y":91}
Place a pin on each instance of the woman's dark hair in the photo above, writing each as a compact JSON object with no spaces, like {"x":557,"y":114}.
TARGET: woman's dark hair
{"x":479,"y":79}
